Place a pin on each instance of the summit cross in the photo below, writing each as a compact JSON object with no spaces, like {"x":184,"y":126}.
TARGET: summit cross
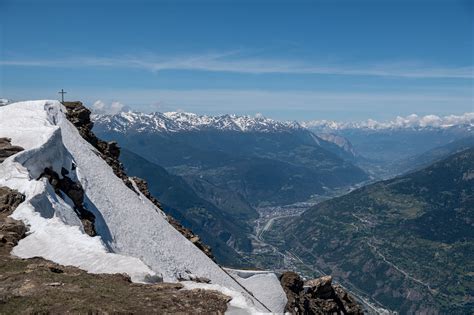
{"x":62,"y":95}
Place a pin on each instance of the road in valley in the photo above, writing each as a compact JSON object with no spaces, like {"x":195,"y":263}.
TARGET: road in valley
{"x":291,"y":261}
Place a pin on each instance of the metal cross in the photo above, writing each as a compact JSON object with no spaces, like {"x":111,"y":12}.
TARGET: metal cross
{"x":62,"y":95}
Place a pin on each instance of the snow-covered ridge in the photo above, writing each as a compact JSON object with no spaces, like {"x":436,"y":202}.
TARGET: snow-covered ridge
{"x":412,"y":121}
{"x":181,"y":121}
{"x":134,"y":237}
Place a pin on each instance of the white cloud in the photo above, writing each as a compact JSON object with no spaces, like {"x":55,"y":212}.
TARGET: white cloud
{"x":410,"y":121}
{"x":116,"y":107}
{"x":232,"y":62}
{"x":100,"y":107}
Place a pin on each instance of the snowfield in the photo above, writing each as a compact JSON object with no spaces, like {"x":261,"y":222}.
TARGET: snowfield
{"x":265,"y":283}
{"x":134,"y":236}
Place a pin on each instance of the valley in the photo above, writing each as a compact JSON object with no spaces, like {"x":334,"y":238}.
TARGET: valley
{"x":268,"y":256}
{"x":351,"y":238}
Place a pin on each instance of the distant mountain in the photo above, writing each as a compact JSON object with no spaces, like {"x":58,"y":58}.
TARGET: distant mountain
{"x":181,"y":121}
{"x":251,"y":160}
{"x":345,"y":148}
{"x":214,"y":225}
{"x":436,"y":154}
{"x":382,"y":148}
{"x":412,"y":121}
{"x":405,"y":242}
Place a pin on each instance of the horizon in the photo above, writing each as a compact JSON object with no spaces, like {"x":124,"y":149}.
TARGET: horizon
{"x":425,"y":120}
{"x":100,"y":108}
{"x":301,"y":60}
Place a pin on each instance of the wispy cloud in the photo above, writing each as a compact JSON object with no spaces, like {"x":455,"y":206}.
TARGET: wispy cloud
{"x":234,"y":63}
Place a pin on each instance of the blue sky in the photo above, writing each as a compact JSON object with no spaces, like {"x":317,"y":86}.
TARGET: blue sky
{"x":344,"y":60}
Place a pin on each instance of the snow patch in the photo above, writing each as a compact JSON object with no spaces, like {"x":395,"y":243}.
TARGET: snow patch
{"x":264,"y":285}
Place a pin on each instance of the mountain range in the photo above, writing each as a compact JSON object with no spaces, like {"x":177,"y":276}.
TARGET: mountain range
{"x":181,"y":121}
{"x":387,"y":149}
{"x":228,"y":165}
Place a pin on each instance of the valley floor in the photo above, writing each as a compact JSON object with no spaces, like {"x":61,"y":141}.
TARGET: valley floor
{"x":267,"y":255}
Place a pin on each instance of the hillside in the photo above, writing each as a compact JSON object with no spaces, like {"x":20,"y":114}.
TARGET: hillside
{"x":406,"y":243}
{"x":438,"y":153}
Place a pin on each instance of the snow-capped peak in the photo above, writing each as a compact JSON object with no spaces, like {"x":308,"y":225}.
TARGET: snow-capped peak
{"x":183,"y":121}
{"x":412,"y":121}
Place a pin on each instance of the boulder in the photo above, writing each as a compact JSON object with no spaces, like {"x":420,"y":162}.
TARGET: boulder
{"x":293,"y":286}
{"x":11,"y":230}
{"x":317,"y":296}
{"x":9,"y":200}
{"x":320,"y":287}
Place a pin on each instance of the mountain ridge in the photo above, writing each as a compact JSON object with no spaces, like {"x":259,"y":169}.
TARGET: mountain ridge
{"x":183,"y":121}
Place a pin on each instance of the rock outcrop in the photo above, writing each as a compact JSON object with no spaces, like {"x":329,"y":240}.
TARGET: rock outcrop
{"x":79,"y":116}
{"x":11,"y":231}
{"x":7,"y":149}
{"x":65,"y":185}
{"x":317,"y":296}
